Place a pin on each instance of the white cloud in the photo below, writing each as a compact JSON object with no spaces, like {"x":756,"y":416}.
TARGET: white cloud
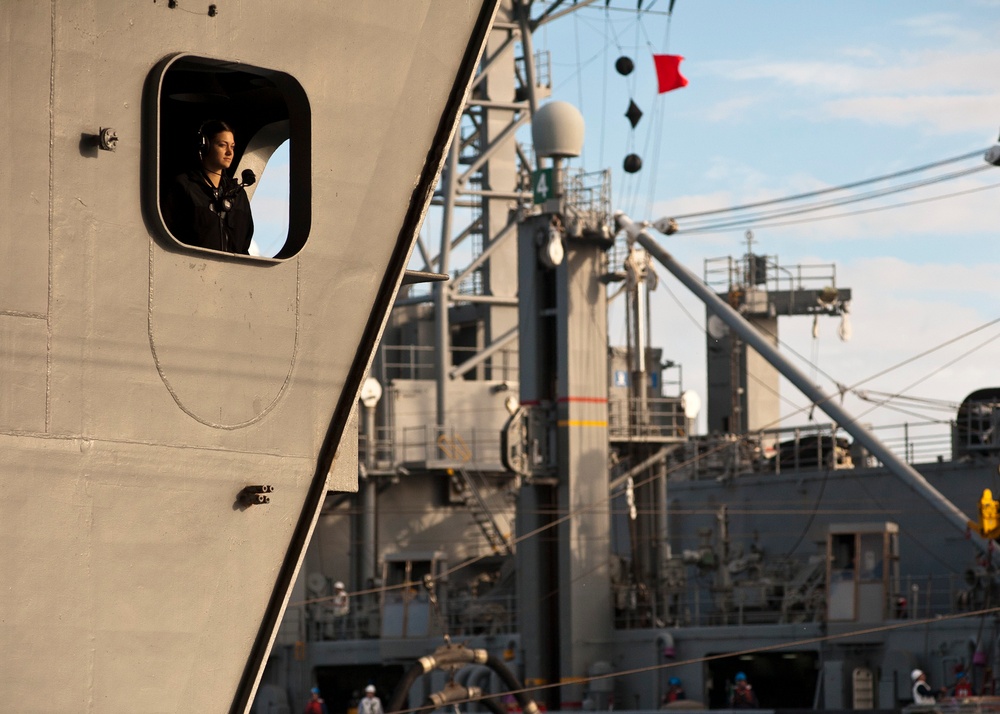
{"x":874,"y":71}
{"x":941,"y":25}
{"x":941,"y":91}
{"x":732,"y":108}
{"x":932,"y":113}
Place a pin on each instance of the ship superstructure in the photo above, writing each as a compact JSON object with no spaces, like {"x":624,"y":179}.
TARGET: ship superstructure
{"x":531,"y":490}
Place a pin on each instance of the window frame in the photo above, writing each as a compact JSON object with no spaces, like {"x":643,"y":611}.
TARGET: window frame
{"x":261,"y":136}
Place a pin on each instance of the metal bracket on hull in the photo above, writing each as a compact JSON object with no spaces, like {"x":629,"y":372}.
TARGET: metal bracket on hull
{"x":254,"y":496}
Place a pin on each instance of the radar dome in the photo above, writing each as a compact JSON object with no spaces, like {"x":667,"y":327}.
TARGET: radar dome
{"x":557,"y":130}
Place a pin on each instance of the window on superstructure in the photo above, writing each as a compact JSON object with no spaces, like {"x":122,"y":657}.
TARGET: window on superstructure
{"x":268,"y":113}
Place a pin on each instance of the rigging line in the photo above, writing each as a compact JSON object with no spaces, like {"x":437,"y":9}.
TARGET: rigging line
{"x":593,"y":26}
{"x":772,"y":509}
{"x":657,"y":120}
{"x":579,"y":80}
{"x":777,"y":646}
{"x":841,"y":187}
{"x":588,"y":507}
{"x":851,"y":388}
{"x":633,"y":12}
{"x":931,"y":403}
{"x":888,"y":404}
{"x":539,"y":531}
{"x":579,"y":70}
{"x":848,"y":214}
{"x":926,"y":352}
{"x":664,"y":474}
{"x":906,"y":531}
{"x":654,"y":136}
{"x":907,"y":412}
{"x":649,"y":42}
{"x":835,"y":202}
{"x":942,"y":367}
{"x":782,"y":213}
{"x":666,"y":32}
{"x":699,"y":325}
{"x":814,"y":357}
{"x":604,"y":97}
{"x":614,"y":33}
{"x":773,"y":391}
{"x":785,"y":346}
{"x":812,"y":516}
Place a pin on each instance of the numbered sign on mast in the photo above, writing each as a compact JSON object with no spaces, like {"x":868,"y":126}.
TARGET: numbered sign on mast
{"x":542,"y":181}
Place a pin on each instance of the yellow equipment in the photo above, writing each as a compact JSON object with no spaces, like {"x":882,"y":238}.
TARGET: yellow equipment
{"x":989,"y":516}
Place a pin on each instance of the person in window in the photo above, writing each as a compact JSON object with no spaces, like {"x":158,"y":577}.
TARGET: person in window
{"x":205,"y":207}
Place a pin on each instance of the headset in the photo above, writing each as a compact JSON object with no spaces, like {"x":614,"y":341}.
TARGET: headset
{"x":202,"y":141}
{"x":201,"y":138}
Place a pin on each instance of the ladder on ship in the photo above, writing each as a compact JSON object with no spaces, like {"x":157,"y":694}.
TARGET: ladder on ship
{"x":465,"y":485}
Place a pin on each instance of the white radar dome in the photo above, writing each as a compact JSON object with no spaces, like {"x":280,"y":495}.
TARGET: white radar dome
{"x":557,"y":130}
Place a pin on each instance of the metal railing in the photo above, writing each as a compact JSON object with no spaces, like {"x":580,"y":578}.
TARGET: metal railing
{"x":423,"y":444}
{"x":420,"y":362}
{"x":757,"y":603}
{"x":490,"y":615}
{"x":724,"y":273}
{"x":650,"y":418}
{"x":746,"y":603}
{"x":463,"y":615}
{"x":589,"y":194}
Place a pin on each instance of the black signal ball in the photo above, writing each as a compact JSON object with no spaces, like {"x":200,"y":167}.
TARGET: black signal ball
{"x":632,"y":163}
{"x":624,"y":65}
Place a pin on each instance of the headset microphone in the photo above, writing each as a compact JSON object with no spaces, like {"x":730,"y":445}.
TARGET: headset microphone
{"x":224,"y":202}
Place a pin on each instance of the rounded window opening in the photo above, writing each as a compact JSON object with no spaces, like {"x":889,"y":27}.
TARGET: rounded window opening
{"x":230,"y":172}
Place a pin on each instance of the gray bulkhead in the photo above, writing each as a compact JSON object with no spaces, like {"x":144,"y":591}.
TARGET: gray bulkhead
{"x":146,"y":384}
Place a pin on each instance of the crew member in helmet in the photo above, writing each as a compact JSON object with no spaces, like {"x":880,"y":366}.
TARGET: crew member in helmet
{"x":315,"y":705}
{"x":341,"y":605}
{"x":370,"y":704}
{"x":675,"y":692}
{"x":963,"y":685}
{"x":922,"y":692}
{"x":742,"y":696}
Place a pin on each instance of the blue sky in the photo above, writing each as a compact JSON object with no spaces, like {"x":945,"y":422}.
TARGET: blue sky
{"x":787,"y":96}
{"x":793,"y":96}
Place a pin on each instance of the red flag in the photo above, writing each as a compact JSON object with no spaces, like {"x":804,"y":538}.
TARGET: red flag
{"x":668,"y":72}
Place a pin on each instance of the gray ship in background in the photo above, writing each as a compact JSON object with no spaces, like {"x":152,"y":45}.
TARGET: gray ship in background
{"x":538,"y":521}
{"x":171,"y":417}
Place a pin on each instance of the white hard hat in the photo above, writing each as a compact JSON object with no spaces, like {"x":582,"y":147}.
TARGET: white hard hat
{"x":916,"y":674}
{"x":338,"y":585}
{"x":370,"y":688}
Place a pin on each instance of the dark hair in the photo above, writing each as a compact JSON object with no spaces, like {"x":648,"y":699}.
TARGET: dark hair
{"x":209,"y":130}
